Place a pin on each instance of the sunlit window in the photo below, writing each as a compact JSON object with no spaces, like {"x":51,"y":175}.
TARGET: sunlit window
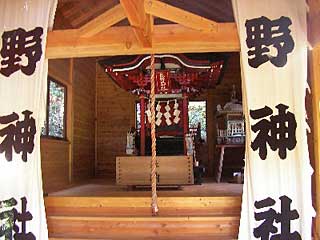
{"x":198,"y":117}
{"x":55,"y":122}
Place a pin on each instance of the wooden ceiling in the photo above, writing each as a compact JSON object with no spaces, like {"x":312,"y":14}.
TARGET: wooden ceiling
{"x":85,"y":28}
{"x":75,"y":13}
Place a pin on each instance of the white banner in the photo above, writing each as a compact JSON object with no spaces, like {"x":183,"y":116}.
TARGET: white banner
{"x":276,"y":201}
{"x":23,"y":84}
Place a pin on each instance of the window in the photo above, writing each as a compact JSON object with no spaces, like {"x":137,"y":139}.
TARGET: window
{"x":55,"y":124}
{"x":197,"y":114}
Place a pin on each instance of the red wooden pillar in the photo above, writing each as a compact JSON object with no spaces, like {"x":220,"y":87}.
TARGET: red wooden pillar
{"x":142,"y":126}
{"x":185,"y":120}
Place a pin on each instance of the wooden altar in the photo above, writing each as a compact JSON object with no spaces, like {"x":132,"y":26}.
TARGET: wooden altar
{"x":171,"y":170}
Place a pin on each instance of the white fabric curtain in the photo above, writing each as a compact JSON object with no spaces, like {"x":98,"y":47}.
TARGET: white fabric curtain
{"x":276,"y":202}
{"x":23,"y":86}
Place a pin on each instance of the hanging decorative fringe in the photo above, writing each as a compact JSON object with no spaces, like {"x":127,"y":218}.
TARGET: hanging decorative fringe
{"x":154,"y":203}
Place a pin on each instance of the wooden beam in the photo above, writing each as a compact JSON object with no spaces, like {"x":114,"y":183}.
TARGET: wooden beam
{"x":177,"y":15}
{"x":315,"y":90}
{"x":102,"y":22}
{"x":167,"y":38}
{"x":141,"y":22}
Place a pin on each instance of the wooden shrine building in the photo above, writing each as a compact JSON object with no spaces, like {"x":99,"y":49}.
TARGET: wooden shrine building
{"x":99,"y":58}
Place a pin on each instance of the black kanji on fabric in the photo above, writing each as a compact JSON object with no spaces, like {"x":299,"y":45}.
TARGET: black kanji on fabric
{"x":18,"y":135}
{"x":9,"y":132}
{"x":267,"y":230}
{"x":279,"y":132}
{"x":17,"y":45}
{"x":269,"y":216}
{"x":23,"y":217}
{"x":7,"y":218}
{"x":24,"y":135}
{"x":264,"y":34}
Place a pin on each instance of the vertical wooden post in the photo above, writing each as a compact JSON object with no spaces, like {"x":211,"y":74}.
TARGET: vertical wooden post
{"x":185,"y":119}
{"x":70,"y":118}
{"x":315,"y":90}
{"x":211,"y":132}
{"x":142,"y":126}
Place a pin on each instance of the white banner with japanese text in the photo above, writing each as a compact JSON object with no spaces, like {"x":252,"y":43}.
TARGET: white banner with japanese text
{"x":276,"y":202}
{"x":23,"y":86}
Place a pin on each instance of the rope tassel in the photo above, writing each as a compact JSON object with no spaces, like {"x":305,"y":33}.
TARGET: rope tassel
{"x":154,"y":203}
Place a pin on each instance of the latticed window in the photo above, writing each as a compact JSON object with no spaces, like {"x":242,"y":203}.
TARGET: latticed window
{"x":55,"y":124}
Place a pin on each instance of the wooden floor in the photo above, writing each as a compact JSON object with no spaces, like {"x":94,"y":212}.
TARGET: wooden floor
{"x":107,"y":188}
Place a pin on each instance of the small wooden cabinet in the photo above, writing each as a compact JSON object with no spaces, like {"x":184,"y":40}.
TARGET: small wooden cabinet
{"x":171,"y":170}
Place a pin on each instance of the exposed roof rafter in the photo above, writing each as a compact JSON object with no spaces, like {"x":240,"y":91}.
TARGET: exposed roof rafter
{"x":141,"y":22}
{"x":177,"y":15}
{"x":102,"y":22}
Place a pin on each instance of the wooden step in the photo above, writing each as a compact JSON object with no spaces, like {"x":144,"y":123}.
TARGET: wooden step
{"x":142,"y":227}
{"x":206,"y":237}
{"x":122,"y":218}
{"x":140,"y":206}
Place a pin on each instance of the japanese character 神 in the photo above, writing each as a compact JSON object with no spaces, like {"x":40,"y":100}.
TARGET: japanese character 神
{"x":18,"y":136}
{"x":279,"y":132}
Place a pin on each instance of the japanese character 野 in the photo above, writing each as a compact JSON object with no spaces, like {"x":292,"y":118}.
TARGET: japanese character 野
{"x":7,"y":218}
{"x":279,"y":132}
{"x":23,"y":217}
{"x":264,"y":34}
{"x":17,"y":45}
{"x":267,"y":227}
{"x":18,"y":136}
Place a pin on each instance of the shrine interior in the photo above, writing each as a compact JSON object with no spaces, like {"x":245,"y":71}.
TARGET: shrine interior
{"x":96,"y":141}
{"x":103,"y":113}
{"x":92,"y":110}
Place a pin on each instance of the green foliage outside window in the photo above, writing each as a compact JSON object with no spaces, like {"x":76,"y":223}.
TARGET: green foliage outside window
{"x":55,"y":124}
{"x":197,"y":114}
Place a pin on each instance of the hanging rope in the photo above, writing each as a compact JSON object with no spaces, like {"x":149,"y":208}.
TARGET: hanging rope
{"x":154,"y":203}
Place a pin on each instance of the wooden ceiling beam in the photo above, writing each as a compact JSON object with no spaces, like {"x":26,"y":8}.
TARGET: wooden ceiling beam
{"x":141,"y":22}
{"x":177,"y":15}
{"x":168,"y":38}
{"x":102,"y":22}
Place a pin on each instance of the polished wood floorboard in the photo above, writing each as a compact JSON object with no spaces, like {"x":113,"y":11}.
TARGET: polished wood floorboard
{"x":107,"y":188}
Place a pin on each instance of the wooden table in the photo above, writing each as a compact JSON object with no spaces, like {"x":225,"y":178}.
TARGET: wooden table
{"x":222,"y":147}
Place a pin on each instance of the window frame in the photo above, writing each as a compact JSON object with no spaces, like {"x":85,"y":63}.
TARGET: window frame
{"x":46,"y":135}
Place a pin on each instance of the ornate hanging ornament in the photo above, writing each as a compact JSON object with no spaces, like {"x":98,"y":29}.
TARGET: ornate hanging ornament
{"x":167,"y":114}
{"x":176,"y":112}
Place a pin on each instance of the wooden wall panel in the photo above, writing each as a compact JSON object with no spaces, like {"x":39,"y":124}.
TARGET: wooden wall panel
{"x":84,"y":75}
{"x":55,"y":153}
{"x":59,"y":69}
{"x":115,"y":116}
{"x":55,"y":160}
{"x":73,"y":159}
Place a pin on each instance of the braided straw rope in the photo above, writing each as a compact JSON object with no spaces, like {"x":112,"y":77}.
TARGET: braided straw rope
{"x":154,"y":203}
